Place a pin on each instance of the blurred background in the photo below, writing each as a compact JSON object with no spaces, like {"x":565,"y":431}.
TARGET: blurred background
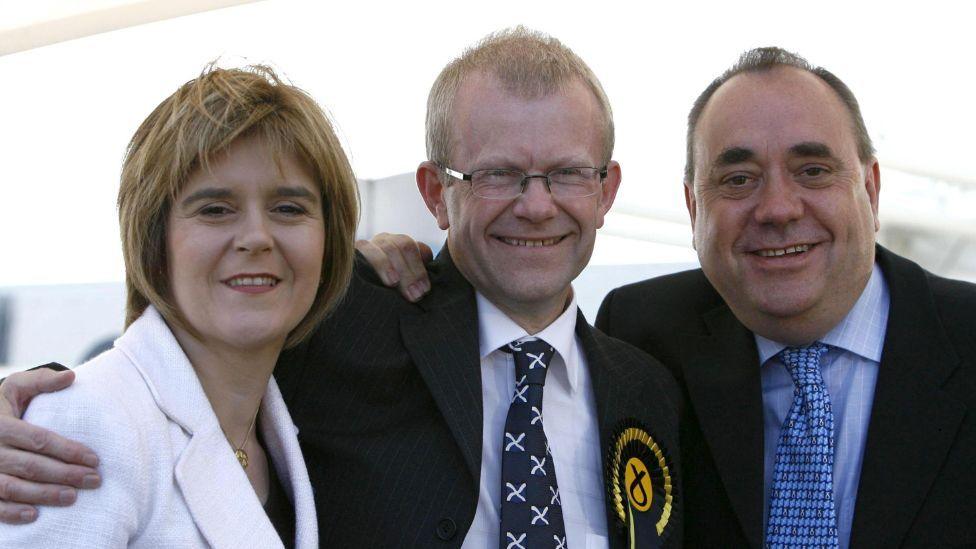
{"x":78,"y":76}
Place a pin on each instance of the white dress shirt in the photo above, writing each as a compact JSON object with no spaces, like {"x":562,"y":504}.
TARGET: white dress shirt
{"x":569,"y":408}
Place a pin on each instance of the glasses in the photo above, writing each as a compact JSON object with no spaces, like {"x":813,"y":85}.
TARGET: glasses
{"x":501,"y":184}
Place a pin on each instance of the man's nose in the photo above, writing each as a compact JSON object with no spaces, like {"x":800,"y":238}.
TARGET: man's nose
{"x":536,"y":202}
{"x":779,"y":198}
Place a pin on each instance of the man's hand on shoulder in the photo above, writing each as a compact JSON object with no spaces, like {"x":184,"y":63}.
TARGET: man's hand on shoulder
{"x":399,"y":261}
{"x":37,"y":467}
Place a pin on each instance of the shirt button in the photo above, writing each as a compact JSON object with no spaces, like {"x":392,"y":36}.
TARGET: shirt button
{"x":446,"y":529}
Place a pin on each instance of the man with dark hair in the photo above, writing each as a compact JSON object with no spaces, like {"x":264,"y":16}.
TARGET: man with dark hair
{"x":831,"y":382}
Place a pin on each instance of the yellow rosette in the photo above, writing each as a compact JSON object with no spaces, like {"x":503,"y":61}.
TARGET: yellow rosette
{"x":640,"y":486}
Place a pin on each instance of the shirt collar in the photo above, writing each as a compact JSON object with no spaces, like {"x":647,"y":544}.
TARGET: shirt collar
{"x":861,"y":332}
{"x":495,"y":329}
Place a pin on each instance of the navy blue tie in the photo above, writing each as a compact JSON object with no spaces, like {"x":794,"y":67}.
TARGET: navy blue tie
{"x":801,"y":503}
{"x":532,"y":513}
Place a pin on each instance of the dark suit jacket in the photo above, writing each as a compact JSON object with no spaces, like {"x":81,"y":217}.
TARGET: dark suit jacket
{"x":387,"y":399}
{"x":918,"y":476}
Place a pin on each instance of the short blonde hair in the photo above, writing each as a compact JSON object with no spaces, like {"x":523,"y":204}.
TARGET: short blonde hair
{"x":528,"y":63}
{"x":202,"y":118}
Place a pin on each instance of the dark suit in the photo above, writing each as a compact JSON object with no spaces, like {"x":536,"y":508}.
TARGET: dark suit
{"x":918,"y":476}
{"x":387,"y":398}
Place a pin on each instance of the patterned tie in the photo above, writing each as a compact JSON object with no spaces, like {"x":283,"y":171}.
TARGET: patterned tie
{"x":801,"y":504}
{"x":532,"y":514}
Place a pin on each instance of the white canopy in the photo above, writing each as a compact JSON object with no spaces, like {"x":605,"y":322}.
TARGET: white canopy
{"x":79,"y":76}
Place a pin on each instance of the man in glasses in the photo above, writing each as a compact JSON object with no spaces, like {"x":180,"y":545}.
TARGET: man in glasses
{"x":424,"y":425}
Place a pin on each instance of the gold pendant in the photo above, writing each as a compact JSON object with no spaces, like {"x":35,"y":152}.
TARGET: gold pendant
{"x":241,"y":457}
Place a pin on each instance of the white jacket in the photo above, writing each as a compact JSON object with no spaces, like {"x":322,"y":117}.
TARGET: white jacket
{"x":169,"y":476}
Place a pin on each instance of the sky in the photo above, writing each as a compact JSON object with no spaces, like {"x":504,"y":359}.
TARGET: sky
{"x":68,"y":110}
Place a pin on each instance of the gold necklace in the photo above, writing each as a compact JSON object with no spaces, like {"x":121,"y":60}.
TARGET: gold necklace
{"x":239,"y":452}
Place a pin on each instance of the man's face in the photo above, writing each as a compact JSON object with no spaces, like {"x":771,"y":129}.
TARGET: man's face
{"x":523,"y":253}
{"x":783,"y":211}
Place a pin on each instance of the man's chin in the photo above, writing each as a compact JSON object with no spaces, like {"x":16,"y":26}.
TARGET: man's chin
{"x":784,"y":303}
{"x":534,"y":290}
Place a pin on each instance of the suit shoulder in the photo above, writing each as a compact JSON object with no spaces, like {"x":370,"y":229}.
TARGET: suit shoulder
{"x":690,"y":280}
{"x":367,"y":291}
{"x":956,"y":303}
{"x":368,"y":309}
{"x":953,"y":292}
{"x":651,"y":310}
{"x":676,"y":291}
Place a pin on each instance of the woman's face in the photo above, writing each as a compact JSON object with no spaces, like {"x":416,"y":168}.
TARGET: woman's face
{"x":245,"y":247}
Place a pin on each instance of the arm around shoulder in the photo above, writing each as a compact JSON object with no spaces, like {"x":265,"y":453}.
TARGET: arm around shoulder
{"x":110,"y":515}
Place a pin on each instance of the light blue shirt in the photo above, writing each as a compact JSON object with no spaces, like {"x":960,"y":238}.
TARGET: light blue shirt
{"x":850,"y":370}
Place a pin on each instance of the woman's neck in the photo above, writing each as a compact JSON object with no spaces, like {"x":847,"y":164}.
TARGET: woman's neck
{"x":233,"y":379}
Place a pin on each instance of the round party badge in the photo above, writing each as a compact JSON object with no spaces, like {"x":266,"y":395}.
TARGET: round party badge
{"x":640,"y":485}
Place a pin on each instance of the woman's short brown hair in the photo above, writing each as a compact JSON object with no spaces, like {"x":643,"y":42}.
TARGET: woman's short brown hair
{"x":202,"y":118}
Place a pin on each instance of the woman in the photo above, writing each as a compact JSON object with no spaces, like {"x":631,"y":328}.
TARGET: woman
{"x":237,"y":209}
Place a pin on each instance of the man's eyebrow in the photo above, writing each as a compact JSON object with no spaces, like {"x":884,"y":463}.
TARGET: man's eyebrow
{"x":733,"y":155}
{"x":813,"y":149}
{"x":207,"y":193}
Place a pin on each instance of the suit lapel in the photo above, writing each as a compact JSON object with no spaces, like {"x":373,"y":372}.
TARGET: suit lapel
{"x":913,"y":422}
{"x":442,"y":339}
{"x":607,"y":378}
{"x":721,"y":371}
{"x":617,"y":389}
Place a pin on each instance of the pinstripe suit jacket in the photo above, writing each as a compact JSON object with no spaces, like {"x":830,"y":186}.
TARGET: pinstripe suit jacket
{"x":387,"y":398}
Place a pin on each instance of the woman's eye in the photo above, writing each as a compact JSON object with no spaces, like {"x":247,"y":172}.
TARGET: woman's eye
{"x":214,"y":210}
{"x":289,"y":209}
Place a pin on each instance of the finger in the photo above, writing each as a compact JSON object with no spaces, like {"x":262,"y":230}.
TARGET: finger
{"x":49,"y":381}
{"x":20,"y":388}
{"x":44,"y":470}
{"x":15,"y":490}
{"x":17,"y":513}
{"x":415,"y":274}
{"x":426,"y":252}
{"x":394,"y":248}
{"x":410,"y":251}
{"x":378,"y":260}
{"x":24,"y":436}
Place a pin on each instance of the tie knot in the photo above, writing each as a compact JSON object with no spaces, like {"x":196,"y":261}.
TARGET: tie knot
{"x":532,"y":357}
{"x":803,"y":363}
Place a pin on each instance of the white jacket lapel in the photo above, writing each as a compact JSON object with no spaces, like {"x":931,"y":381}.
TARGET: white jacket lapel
{"x":216,"y":490}
{"x":219,"y":496}
{"x":279,"y":432}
